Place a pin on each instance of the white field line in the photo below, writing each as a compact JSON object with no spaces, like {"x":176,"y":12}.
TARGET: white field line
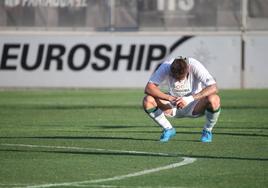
{"x":186,"y":161}
{"x":124,"y":186}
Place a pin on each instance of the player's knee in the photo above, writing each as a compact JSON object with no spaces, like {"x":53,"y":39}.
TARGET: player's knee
{"x":214,"y":101}
{"x":149,"y":102}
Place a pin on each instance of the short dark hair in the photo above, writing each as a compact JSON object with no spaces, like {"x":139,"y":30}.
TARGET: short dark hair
{"x":179,"y":68}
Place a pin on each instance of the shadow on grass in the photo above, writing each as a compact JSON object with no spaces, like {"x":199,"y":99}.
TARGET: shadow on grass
{"x":224,"y":127}
{"x":68,"y":107}
{"x":79,"y":138}
{"x":106,"y":106}
{"x":131,"y":138}
{"x":140,"y":154}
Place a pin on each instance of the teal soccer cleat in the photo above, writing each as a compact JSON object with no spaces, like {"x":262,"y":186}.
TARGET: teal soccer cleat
{"x":167,"y":135}
{"x":206,"y":136}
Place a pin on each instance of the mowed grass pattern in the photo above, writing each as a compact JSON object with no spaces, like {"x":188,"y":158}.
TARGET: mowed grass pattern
{"x":92,"y":125}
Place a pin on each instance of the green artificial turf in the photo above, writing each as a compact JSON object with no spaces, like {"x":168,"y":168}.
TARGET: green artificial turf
{"x":55,"y":137}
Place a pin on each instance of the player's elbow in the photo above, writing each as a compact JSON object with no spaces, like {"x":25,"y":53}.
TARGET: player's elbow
{"x":149,"y":88}
{"x":215,"y":88}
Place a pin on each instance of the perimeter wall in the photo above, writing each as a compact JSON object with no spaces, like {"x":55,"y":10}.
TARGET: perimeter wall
{"x":119,"y":43}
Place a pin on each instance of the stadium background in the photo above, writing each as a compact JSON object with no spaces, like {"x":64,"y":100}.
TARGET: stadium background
{"x":86,"y":127}
{"x":79,"y":43}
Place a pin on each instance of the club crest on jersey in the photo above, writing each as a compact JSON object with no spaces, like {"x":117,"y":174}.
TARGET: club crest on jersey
{"x":181,"y":89}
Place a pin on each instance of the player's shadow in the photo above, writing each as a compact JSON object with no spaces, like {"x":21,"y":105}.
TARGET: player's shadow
{"x":177,"y":138}
{"x":228,"y":134}
{"x":242,"y":134}
{"x":220,"y":127}
{"x":199,"y":133}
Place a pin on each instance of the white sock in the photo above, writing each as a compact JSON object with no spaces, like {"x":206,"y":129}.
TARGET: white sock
{"x":159,"y":117}
{"x":211,"y":119}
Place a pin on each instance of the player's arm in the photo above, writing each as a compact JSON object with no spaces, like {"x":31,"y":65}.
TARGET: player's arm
{"x":153,"y":90}
{"x":207,"y":91}
{"x":152,"y":87}
{"x":202,"y":74}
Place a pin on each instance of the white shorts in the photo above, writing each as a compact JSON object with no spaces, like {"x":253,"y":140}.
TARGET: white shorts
{"x":185,"y":112}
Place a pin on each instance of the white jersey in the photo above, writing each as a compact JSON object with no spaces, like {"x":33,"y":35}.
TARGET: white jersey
{"x":197,"y":79}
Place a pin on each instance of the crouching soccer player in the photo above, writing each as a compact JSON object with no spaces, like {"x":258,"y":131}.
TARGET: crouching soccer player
{"x":192,"y":93}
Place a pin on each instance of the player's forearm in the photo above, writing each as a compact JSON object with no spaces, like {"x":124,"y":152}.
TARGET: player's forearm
{"x":153,"y":90}
{"x":212,"y":89}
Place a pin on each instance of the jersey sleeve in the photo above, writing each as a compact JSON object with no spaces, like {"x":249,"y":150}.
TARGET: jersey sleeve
{"x":160,"y":74}
{"x":201,"y":73}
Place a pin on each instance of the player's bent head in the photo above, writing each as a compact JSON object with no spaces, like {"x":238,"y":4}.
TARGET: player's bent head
{"x":179,"y":68}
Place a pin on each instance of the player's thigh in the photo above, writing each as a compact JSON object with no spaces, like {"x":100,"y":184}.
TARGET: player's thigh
{"x":212,"y":102}
{"x":200,"y":107}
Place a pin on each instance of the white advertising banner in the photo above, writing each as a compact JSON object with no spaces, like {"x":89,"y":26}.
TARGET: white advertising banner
{"x":110,"y":60}
{"x":256,"y":65}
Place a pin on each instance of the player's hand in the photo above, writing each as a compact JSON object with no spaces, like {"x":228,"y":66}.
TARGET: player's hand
{"x":180,"y":103}
{"x":172,"y":99}
{"x":184,"y":101}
